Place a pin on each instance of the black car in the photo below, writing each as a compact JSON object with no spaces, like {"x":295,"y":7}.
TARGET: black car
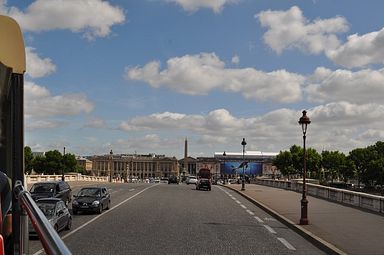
{"x":56,"y":212}
{"x":173,"y":179}
{"x":203,"y":184}
{"x":57,"y":189}
{"x":91,"y":199}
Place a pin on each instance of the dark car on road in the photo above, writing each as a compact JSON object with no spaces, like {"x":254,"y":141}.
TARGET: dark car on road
{"x":203,"y":184}
{"x":57,"y":189}
{"x":56,"y":212}
{"x":91,"y":199}
{"x":173,"y":179}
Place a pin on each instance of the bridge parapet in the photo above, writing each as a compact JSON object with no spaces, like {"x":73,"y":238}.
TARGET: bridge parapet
{"x":358,"y":199}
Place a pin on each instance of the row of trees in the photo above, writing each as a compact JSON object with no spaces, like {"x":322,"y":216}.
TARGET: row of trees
{"x":53,"y":162}
{"x":366,"y":165}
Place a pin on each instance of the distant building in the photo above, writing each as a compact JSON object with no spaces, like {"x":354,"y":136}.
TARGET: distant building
{"x":134,"y":166}
{"x":38,"y":154}
{"x":85,"y":163}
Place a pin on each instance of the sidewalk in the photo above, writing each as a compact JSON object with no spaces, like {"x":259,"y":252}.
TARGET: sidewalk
{"x":336,"y":228}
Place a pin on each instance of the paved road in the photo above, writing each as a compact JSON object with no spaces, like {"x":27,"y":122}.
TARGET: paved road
{"x":345,"y":229}
{"x":177,"y":219}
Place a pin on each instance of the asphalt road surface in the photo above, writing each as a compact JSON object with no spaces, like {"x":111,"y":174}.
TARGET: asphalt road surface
{"x":177,"y":219}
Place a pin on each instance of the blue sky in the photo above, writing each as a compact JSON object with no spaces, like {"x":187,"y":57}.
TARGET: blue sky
{"x":142,"y":75}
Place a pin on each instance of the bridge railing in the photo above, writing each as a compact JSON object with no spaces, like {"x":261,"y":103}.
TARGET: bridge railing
{"x":68,"y":178}
{"x":358,"y":199}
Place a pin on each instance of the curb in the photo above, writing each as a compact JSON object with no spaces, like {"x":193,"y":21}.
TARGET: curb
{"x":315,"y":240}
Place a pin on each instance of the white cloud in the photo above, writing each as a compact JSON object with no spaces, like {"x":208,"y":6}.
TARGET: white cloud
{"x":37,"y":66}
{"x":95,"y":123}
{"x":202,"y":73}
{"x":343,"y":85}
{"x":94,"y":18}
{"x":360,"y":50}
{"x":235,"y":59}
{"x":194,"y":5}
{"x":290,"y":29}
{"x":41,"y":124}
{"x":335,"y":126}
{"x":40,"y":103}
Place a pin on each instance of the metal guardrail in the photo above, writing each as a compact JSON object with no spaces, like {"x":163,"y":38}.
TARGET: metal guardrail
{"x":49,"y":238}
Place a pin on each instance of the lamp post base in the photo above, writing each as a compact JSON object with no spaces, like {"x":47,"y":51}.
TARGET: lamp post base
{"x":304,"y":212}
{"x":242,"y":185}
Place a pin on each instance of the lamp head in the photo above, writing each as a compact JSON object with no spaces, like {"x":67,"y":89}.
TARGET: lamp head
{"x":304,"y":121}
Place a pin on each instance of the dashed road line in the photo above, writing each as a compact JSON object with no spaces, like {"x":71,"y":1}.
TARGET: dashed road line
{"x":250,"y":212}
{"x":271,"y":230}
{"x":286,"y":243}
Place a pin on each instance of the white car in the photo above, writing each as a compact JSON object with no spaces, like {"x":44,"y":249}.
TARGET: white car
{"x":191,"y":180}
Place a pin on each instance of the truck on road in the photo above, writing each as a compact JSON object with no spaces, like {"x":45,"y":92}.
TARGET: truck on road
{"x":204,"y":179}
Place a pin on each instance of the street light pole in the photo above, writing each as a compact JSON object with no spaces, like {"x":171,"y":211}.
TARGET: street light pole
{"x":62,"y":169}
{"x":223,"y":172}
{"x":110,"y":165}
{"x":243,"y":180}
{"x":304,"y":121}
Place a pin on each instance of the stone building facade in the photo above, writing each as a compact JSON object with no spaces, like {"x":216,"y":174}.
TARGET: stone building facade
{"x":125,"y":166}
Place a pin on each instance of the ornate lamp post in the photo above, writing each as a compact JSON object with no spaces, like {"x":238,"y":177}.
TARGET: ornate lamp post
{"x":110,"y":165}
{"x":223,"y":172}
{"x":243,"y":180}
{"x":304,"y":121}
{"x":62,"y":169}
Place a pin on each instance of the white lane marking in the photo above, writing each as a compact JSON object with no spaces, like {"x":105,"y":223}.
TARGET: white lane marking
{"x":233,"y":198}
{"x":250,"y":212}
{"x":270,"y":229}
{"x":100,"y":215}
{"x":243,"y":206}
{"x":285,"y":242}
{"x":270,"y":219}
{"x":237,"y":201}
{"x":258,"y":219}
{"x":131,"y":189}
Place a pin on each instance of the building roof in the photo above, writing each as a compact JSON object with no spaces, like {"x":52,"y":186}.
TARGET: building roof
{"x":247,"y":154}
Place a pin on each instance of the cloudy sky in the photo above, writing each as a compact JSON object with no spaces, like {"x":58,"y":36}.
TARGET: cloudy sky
{"x":142,"y":75}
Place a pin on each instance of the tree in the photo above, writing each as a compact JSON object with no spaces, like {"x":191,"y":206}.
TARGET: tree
{"x":53,"y":162}
{"x":297,"y":158}
{"x":28,"y":160}
{"x":69,"y":163}
{"x":361,"y":157}
{"x":333,"y":162}
{"x":39,"y":164}
{"x":283,"y":162}
{"x":313,"y":163}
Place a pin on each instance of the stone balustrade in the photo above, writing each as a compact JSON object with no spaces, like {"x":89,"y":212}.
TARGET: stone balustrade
{"x":68,"y":178}
{"x":357,"y":199}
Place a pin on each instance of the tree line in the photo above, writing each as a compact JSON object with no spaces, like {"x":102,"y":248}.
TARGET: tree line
{"x":364,"y":165}
{"x":52,"y":162}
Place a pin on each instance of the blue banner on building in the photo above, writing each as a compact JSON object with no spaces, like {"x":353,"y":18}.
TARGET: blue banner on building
{"x":236,"y":167}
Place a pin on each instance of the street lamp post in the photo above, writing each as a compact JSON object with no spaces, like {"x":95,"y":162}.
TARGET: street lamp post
{"x":223,"y":172}
{"x":243,"y":180}
{"x":304,"y":121}
{"x":62,"y":168}
{"x":110,"y":165}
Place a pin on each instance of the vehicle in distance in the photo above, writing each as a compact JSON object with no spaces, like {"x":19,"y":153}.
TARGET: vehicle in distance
{"x":91,"y":199}
{"x":56,"y":212}
{"x":163,"y":180}
{"x":173,"y":179}
{"x":57,"y":189}
{"x":204,"y":179}
{"x":191,"y":180}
